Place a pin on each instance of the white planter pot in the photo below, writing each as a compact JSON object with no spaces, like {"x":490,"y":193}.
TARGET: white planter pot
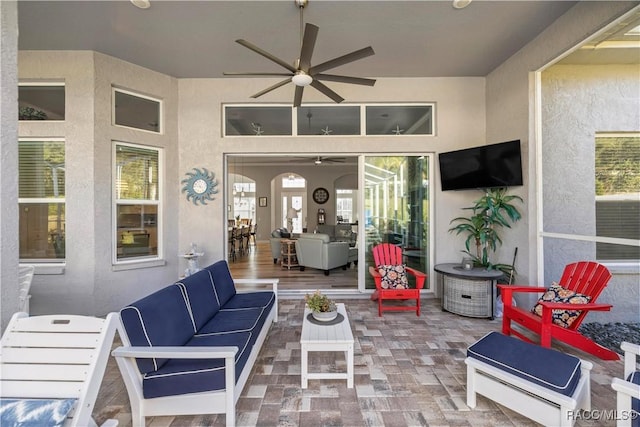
{"x":324,"y":316}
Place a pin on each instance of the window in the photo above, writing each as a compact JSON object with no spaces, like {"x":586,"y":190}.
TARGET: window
{"x":136,"y":111}
{"x":344,"y":205}
{"x":399,"y":120}
{"x":41,"y":101}
{"x":329,"y":120}
{"x":617,"y":194}
{"x":41,"y":198}
{"x":244,"y":200}
{"x":137,"y":201}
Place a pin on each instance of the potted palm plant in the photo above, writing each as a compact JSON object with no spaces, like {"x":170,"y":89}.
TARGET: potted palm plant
{"x":490,"y":213}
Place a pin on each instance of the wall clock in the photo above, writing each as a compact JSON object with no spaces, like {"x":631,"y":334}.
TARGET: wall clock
{"x":320,"y":195}
{"x":200,"y":186}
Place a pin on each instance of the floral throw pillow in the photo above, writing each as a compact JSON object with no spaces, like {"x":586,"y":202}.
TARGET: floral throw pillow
{"x":393,"y":276}
{"x":556,"y":293}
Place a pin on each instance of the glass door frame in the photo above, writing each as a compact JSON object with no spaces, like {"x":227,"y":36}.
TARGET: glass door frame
{"x":362,"y":270}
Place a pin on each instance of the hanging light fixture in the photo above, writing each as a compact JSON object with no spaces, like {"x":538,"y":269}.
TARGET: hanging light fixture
{"x":242,"y":178}
{"x":235,"y":172}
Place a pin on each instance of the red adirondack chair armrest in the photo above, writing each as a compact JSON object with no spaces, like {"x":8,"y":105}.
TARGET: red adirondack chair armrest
{"x":520,"y":288}
{"x":419,"y":275}
{"x":564,"y":306}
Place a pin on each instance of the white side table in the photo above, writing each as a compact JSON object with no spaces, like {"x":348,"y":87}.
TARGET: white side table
{"x":192,"y":261}
{"x":326,"y":338}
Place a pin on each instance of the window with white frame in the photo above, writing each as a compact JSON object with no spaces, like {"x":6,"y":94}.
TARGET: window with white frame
{"x":344,"y":205}
{"x":41,"y":101}
{"x":617,"y":169}
{"x":136,"y":201}
{"x":136,"y":111}
{"x":41,"y":198}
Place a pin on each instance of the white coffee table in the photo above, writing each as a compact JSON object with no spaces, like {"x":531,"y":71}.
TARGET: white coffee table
{"x":326,"y":338}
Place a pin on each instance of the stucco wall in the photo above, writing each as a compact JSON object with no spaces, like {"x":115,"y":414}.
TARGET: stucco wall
{"x":511,"y":110}
{"x":8,"y":160}
{"x":458,"y":100}
{"x":90,"y":284}
{"x":577,"y":102}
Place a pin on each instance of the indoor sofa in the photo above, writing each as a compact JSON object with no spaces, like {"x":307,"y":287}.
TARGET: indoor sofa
{"x":316,"y":250}
{"x":185,"y":343}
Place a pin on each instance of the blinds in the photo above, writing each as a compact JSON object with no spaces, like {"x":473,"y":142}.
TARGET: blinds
{"x":136,"y":173}
{"x":41,"y":169}
{"x":617,"y":172}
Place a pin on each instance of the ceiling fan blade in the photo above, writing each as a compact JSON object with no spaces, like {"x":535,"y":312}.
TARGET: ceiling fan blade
{"x":328,"y":92}
{"x":297,"y":98}
{"x":267,"y":55}
{"x":233,"y":73}
{"x":341,"y":60}
{"x":270,"y":88}
{"x":308,"y":43}
{"x":345,"y":79}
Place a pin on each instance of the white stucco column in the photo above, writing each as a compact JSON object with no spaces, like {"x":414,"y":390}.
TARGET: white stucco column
{"x":8,"y":160}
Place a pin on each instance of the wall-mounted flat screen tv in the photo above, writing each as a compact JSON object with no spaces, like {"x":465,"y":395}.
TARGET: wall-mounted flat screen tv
{"x":487,"y":166}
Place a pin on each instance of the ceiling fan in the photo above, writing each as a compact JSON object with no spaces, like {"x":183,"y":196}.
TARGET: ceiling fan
{"x":302,"y":73}
{"x":320,"y":159}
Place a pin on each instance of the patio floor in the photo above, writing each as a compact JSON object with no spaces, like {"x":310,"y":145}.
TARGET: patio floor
{"x":409,"y":371}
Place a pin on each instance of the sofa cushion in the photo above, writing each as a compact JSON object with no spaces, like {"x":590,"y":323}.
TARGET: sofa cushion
{"x":181,"y":376}
{"x":257,"y":299}
{"x":222,"y":281}
{"x":159,"y":319}
{"x":236,"y":320}
{"x":546,"y":367}
{"x":556,"y":293}
{"x":393,"y":276}
{"x":201,"y":296}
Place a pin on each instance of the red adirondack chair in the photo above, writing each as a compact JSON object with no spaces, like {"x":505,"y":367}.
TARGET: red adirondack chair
{"x":386,"y":254}
{"x":586,"y":278}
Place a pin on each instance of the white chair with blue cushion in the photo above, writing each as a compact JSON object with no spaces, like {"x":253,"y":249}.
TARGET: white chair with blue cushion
{"x":628,"y":387}
{"x":51,"y":369}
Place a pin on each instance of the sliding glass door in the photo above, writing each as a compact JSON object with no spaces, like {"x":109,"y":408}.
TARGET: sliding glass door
{"x":397,"y":209}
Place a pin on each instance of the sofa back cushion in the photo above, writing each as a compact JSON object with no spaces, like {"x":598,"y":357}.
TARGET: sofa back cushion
{"x":222,"y":281}
{"x":201,"y":295}
{"x":159,"y":319}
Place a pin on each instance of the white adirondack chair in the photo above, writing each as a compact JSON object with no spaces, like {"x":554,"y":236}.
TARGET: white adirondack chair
{"x":53,"y":358}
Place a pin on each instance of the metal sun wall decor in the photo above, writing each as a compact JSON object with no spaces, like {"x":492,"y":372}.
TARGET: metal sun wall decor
{"x":200,"y":186}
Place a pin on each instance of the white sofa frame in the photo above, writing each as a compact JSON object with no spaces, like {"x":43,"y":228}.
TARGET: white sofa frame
{"x":213,"y":402}
{"x":531,"y":400}
{"x":625,"y":390}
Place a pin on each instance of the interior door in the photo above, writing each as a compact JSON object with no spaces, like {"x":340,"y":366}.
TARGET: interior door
{"x":397,"y":209}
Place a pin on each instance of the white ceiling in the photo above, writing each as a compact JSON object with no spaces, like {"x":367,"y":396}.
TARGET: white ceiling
{"x":196,"y":38}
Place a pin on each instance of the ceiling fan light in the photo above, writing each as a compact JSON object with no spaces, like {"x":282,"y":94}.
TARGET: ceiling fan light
{"x":142,"y":4}
{"x":461,"y":4}
{"x":317,"y":161}
{"x":301,"y":79}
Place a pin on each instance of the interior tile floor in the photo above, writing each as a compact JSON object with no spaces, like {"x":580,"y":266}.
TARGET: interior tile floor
{"x":409,"y":371}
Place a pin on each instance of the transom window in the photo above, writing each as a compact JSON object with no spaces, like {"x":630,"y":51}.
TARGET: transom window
{"x":41,"y":101}
{"x":329,"y":120}
{"x":137,"y":111}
